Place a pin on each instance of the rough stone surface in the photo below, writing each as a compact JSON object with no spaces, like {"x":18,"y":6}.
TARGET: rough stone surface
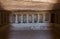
{"x":28,"y":5}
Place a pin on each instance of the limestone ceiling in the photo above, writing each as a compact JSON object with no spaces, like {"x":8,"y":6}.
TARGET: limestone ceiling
{"x":28,"y":4}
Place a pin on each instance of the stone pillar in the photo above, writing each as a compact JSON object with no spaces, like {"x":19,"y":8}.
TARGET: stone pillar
{"x":21,"y":18}
{"x":44,"y":17}
{"x":32,"y":18}
{"x":27,"y":18}
{"x":16,"y":21}
{"x":4,"y":17}
{"x":38,"y":18}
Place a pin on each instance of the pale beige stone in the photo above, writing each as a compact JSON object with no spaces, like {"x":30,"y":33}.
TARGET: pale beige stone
{"x":28,"y":5}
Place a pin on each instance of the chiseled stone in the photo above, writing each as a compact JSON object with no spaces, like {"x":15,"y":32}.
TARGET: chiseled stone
{"x":28,"y":5}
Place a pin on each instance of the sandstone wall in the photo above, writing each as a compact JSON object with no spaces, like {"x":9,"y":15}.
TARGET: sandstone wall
{"x":28,"y":4}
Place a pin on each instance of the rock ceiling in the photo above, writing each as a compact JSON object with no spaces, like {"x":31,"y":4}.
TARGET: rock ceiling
{"x":28,"y":4}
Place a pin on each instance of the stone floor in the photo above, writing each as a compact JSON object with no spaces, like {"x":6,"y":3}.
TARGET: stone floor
{"x":26,"y":34}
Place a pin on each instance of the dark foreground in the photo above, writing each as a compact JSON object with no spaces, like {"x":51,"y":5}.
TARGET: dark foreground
{"x":25,"y":34}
